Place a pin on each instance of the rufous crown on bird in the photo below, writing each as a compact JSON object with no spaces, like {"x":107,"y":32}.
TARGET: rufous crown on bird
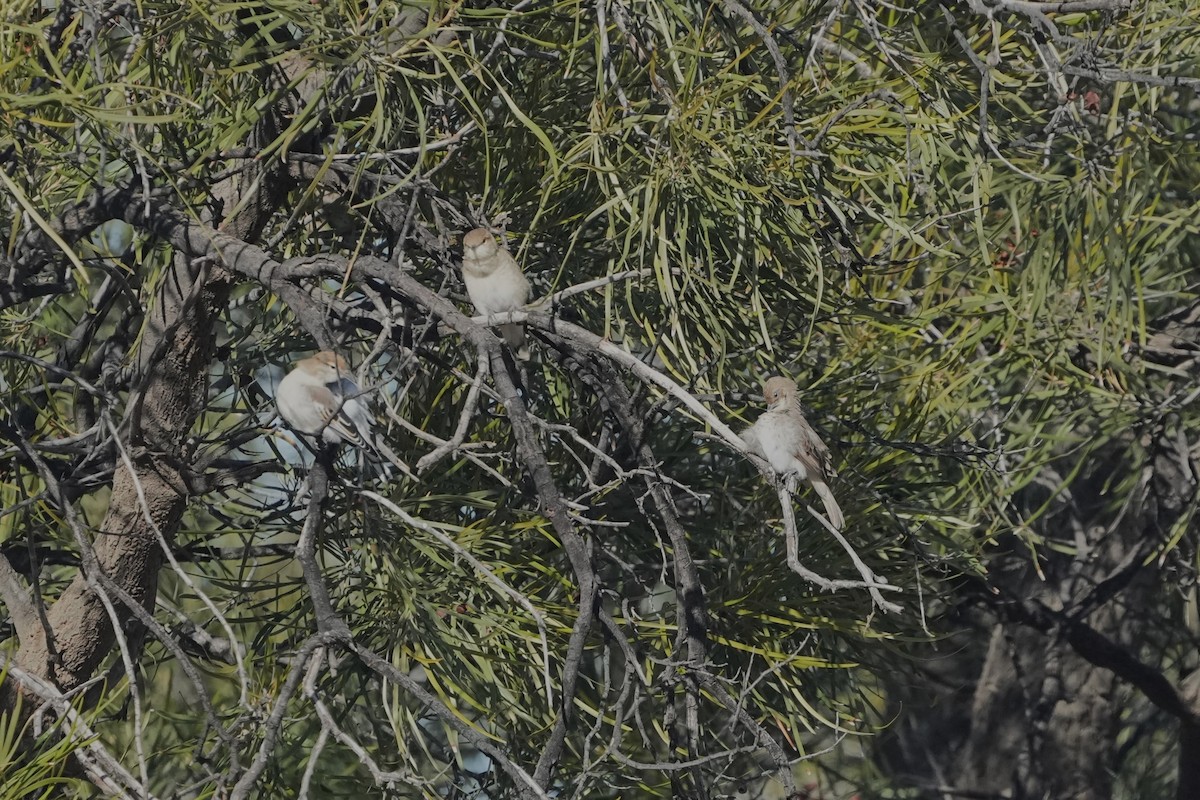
{"x":778,"y":392}
{"x":479,"y":239}
{"x":334,"y":361}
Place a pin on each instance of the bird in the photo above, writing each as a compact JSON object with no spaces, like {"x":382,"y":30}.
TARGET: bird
{"x":320,"y":399}
{"x":495,"y":284}
{"x":784,"y":438}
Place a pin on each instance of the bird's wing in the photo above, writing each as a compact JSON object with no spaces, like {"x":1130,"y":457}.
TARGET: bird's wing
{"x":811,"y":451}
{"x":352,"y":423}
{"x":518,"y":280}
{"x":823,"y":456}
{"x":342,"y":418}
{"x":354,"y":420}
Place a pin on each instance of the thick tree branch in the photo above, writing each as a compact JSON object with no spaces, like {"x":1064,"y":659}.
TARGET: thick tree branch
{"x":1098,"y":649}
{"x":578,"y":551}
{"x":18,"y":600}
{"x":328,"y":620}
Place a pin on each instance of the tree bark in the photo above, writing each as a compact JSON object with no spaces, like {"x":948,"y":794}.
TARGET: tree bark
{"x":177,"y":350}
{"x":1062,"y":658}
{"x":1043,"y":721}
{"x":173,"y":363}
{"x":1188,"y":787}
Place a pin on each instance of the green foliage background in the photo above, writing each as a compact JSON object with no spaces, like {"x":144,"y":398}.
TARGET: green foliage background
{"x":962,"y":292}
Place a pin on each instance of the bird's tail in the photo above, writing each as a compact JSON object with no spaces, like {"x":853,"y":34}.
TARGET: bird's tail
{"x":514,"y":334}
{"x":372,"y":468}
{"x":387,"y":453}
{"x":832,"y":509}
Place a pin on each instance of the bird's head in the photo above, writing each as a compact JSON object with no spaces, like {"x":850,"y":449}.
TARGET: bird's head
{"x":779,"y":393}
{"x":479,"y":244}
{"x":328,"y":366}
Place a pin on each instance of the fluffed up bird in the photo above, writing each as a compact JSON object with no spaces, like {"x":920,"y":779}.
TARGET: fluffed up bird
{"x":495,"y":284}
{"x":319,"y":398}
{"x":784,"y":438}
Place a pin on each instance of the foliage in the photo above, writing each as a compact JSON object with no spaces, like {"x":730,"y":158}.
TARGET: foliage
{"x":33,"y":769}
{"x":953,"y":237}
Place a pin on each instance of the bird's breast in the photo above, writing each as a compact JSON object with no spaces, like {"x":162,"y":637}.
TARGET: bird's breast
{"x":497,"y":292}
{"x":476,"y":270}
{"x":779,"y":445}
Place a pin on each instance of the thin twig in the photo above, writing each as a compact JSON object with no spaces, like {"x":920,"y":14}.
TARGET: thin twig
{"x":101,"y":767}
{"x":526,"y":785}
{"x":17,"y":598}
{"x":274,"y":723}
{"x":492,"y":577}
{"x":243,"y":677}
{"x":587,"y":286}
{"x":464,"y":420}
{"x":793,"y":557}
{"x":329,"y":726}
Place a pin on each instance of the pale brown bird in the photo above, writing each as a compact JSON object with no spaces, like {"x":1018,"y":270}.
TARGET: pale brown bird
{"x":319,"y":398}
{"x":784,"y":438}
{"x":495,"y":284}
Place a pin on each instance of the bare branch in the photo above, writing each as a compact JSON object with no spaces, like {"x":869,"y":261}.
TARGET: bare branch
{"x":274,"y":723}
{"x":590,"y":342}
{"x":102,"y":768}
{"x":491,"y":576}
{"x":328,"y":620}
{"x":329,"y":726}
{"x":599,"y":283}
{"x":527,"y":786}
{"x":464,"y":420}
{"x":1067,"y":7}
{"x":17,"y":598}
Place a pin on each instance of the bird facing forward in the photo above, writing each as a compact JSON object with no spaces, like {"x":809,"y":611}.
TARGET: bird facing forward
{"x":784,"y":438}
{"x":495,"y":284}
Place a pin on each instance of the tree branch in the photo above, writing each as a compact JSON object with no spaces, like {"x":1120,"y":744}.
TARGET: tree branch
{"x":17,"y":598}
{"x":1098,"y":649}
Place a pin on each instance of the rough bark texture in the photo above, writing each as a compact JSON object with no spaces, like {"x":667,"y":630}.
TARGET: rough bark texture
{"x":1042,"y":722}
{"x":1062,"y":657}
{"x":170,"y":391}
{"x":127,"y":546}
{"x":1033,"y":700}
